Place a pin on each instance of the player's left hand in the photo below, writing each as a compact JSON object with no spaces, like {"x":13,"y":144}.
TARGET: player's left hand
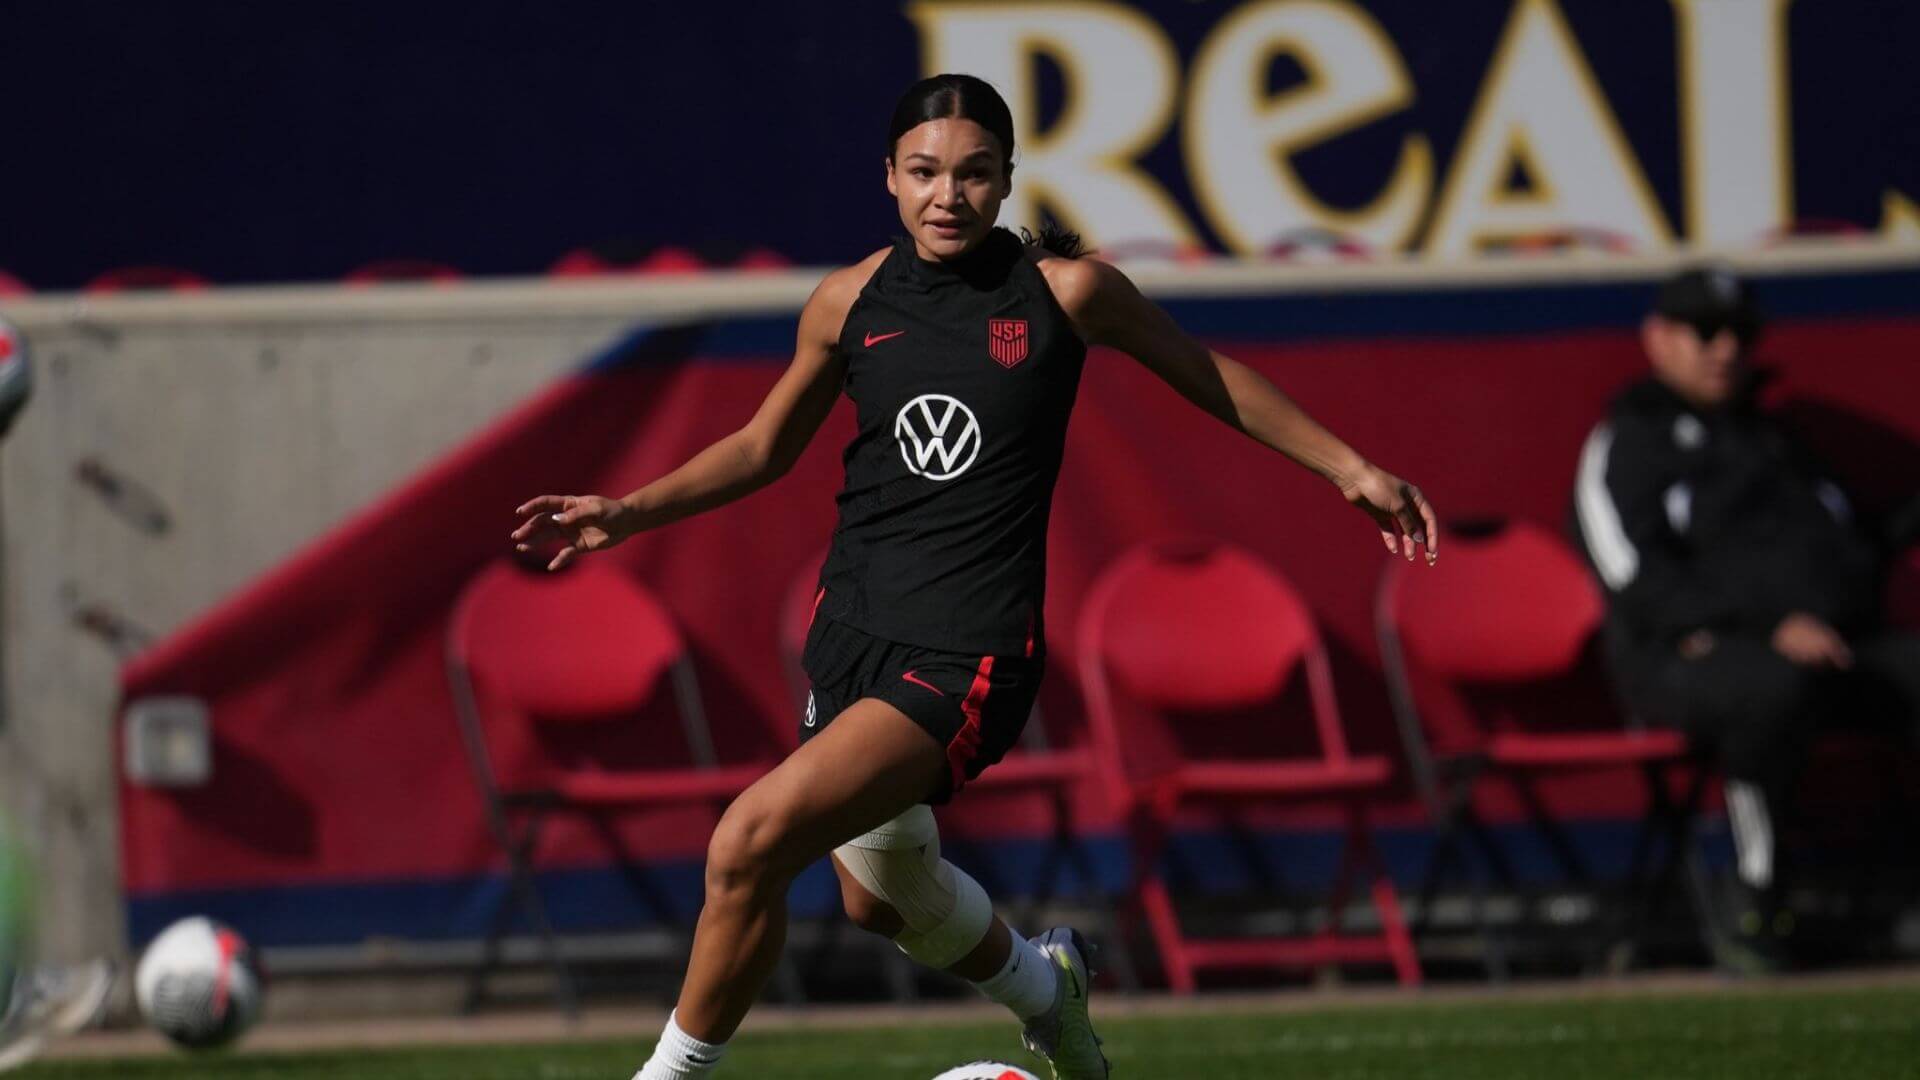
{"x":1405,"y":518}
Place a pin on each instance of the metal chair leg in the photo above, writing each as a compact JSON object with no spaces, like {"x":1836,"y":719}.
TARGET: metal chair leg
{"x":497,"y":922}
{"x":1059,"y":852}
{"x":527,"y":891}
{"x":1118,"y":956}
{"x":1491,"y":863}
{"x":1149,"y":891}
{"x":1386,"y":899}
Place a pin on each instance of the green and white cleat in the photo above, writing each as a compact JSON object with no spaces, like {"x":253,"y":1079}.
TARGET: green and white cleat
{"x":1064,"y":1034}
{"x":52,"y":1003}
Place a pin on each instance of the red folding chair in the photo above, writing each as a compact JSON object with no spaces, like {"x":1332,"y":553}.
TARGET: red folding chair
{"x":1493,"y":671}
{"x":549,"y":673}
{"x":1205,"y":629}
{"x":1032,"y":767}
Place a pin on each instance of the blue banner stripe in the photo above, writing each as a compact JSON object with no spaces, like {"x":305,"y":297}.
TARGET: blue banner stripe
{"x":602,"y":899}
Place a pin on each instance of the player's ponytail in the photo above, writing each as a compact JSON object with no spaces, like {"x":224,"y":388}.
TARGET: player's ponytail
{"x":1052,"y":237}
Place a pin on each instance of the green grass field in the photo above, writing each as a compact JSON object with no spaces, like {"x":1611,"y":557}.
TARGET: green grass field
{"x":1851,"y":1034}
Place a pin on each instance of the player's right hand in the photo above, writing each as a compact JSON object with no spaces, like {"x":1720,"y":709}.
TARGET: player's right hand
{"x":1405,"y":517}
{"x":582,"y":523}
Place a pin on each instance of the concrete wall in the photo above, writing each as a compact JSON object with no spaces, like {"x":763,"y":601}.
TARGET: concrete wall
{"x":253,"y":419}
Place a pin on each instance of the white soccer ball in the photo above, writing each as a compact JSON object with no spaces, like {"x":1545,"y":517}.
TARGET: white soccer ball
{"x":199,"y":984}
{"x":986,"y":1070}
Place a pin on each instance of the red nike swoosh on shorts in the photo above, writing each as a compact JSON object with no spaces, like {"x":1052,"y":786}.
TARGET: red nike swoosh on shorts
{"x":875,"y":339}
{"x":922,"y":682}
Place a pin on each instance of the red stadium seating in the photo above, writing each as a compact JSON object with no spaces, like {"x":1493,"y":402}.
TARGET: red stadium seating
{"x":374,"y":273}
{"x":1491,"y":663}
{"x":671,"y":260}
{"x":146,"y":279}
{"x":580,"y":262}
{"x":586,"y":262}
{"x":542,"y":668}
{"x":1206,"y":630}
{"x":1561,"y":241}
{"x":762,"y":259}
{"x":1817,"y":230}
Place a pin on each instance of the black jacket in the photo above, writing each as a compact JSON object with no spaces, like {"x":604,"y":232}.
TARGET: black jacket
{"x":1714,"y":520}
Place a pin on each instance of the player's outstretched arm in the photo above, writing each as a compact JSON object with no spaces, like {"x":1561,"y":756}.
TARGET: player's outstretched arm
{"x":733,"y":467}
{"x":1108,"y":310}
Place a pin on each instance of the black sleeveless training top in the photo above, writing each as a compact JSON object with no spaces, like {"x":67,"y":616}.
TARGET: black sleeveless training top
{"x":964,"y":375}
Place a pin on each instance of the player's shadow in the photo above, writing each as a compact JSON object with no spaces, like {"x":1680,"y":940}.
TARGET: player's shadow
{"x":251,"y":802}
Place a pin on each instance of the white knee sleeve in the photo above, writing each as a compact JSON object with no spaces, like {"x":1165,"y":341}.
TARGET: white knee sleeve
{"x":947,"y":912}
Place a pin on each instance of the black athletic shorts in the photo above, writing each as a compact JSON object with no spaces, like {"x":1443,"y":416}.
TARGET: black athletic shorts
{"x":975,"y":706}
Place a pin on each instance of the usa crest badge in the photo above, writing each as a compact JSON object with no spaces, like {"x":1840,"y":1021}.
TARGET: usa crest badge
{"x":1007,"y":340}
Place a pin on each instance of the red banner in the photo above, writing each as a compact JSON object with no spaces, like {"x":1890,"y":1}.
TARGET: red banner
{"x":337,"y":754}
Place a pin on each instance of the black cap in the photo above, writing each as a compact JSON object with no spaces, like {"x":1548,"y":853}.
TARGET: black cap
{"x":1711,"y":299}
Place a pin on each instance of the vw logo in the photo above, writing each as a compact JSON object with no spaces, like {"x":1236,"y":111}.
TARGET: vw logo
{"x":938,"y":435}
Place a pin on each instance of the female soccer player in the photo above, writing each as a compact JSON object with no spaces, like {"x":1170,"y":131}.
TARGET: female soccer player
{"x":961,"y":347}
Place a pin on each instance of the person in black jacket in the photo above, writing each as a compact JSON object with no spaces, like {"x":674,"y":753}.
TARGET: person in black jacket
{"x":1743,"y":595}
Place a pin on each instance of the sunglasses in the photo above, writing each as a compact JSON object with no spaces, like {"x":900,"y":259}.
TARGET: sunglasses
{"x":1745,"y":328}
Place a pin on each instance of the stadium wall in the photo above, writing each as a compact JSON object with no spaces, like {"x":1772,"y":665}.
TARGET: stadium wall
{"x":332,"y":464}
{"x":250,"y":421}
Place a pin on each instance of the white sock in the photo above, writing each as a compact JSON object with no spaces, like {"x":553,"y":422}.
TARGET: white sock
{"x":680,"y":1056}
{"x":1752,"y":832}
{"x":1026,"y":984}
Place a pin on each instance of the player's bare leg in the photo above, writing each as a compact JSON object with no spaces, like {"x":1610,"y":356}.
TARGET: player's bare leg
{"x":868,"y":766}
